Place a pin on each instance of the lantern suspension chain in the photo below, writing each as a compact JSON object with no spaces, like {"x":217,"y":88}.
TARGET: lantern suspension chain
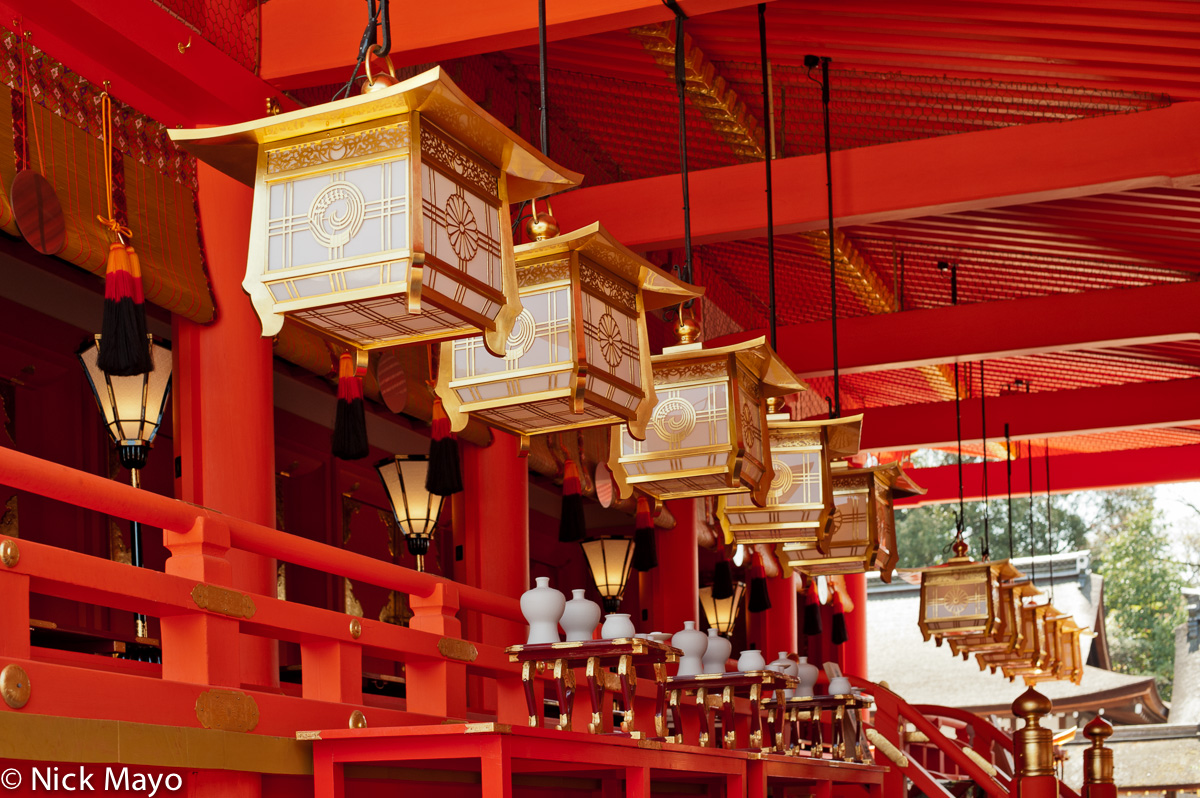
{"x":681,"y":89}
{"x":377,"y":21}
{"x":545,"y":120}
{"x":811,"y":62}
{"x":960,"y":520}
{"x":768,"y":112}
{"x":1049,"y":524}
{"x":987,"y":547}
{"x":1029,"y":457}
{"x":1008,"y":468}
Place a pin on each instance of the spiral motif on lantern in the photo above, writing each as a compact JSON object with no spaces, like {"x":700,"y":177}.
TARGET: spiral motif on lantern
{"x":461,"y":227}
{"x":782,"y":480}
{"x":674,"y":419}
{"x":336,"y":214}
{"x":520,"y":340}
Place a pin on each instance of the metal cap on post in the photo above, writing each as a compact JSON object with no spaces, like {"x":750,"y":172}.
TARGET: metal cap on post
{"x":1033,"y":745}
{"x":1098,"y":760}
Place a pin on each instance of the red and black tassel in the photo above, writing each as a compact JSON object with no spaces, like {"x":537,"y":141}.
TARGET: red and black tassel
{"x":838,"y":633}
{"x":444,"y":476}
{"x":722,"y":586}
{"x":645,"y":551}
{"x":812,"y":610}
{"x":124,"y":348}
{"x":571,"y":526}
{"x":350,"y":424}
{"x":760,"y":599}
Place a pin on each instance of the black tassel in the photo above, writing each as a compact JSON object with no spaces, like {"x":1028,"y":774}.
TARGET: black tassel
{"x":124,"y":348}
{"x":645,"y":550}
{"x":444,"y":476}
{"x":722,"y":586}
{"x":838,"y":633}
{"x":760,"y":599}
{"x":349,"y":440}
{"x":812,"y":611}
{"x":571,"y":526}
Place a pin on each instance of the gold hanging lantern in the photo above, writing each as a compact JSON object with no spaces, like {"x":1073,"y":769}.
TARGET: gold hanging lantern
{"x":1031,"y":654}
{"x":383,"y":219}
{"x":708,"y":429}
{"x":578,"y":354}
{"x":960,"y":597}
{"x":861,"y":533}
{"x":800,"y":499}
{"x":1006,"y":637}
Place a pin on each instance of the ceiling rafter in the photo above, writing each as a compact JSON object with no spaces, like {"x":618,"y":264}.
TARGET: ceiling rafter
{"x":715,"y":98}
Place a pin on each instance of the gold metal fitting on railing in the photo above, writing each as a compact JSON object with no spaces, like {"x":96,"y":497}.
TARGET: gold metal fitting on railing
{"x":1033,"y":745}
{"x":1098,"y":760}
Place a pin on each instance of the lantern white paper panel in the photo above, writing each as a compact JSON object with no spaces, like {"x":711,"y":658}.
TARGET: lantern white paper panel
{"x":461,"y":230}
{"x":753,"y":420}
{"x":540,"y":338}
{"x":613,"y":345}
{"x":796,"y":481}
{"x":685,"y":418}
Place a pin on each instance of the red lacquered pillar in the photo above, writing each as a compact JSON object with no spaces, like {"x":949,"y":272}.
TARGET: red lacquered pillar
{"x":854,"y":650}
{"x":672,"y":590}
{"x":223,"y":403}
{"x":495,"y":508}
{"x":777,"y":628}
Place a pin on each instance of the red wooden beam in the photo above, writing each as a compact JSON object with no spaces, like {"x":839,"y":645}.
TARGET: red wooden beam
{"x":970,"y":171}
{"x":1049,"y":414}
{"x":304,"y":44}
{"x":990,"y":330}
{"x":1068,"y":473}
{"x":136,"y":44}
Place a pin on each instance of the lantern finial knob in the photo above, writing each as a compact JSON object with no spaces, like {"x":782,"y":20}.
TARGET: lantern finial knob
{"x":687,"y":329}
{"x":541,"y":226}
{"x":960,"y":548}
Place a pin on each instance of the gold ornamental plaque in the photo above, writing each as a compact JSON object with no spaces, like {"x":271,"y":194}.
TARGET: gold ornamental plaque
{"x":227,"y":710}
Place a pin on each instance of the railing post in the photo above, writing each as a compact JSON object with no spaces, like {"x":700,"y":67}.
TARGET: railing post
{"x":437,"y":687}
{"x":201,"y":647}
{"x":1098,"y":761}
{"x":14,"y":598}
{"x":1033,"y":748}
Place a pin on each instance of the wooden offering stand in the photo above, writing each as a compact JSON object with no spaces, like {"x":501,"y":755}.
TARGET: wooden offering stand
{"x":847,"y":741}
{"x":624,"y":653}
{"x":728,"y":684}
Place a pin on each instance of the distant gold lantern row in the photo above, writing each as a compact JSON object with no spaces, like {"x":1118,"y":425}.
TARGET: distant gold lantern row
{"x":578,"y":355}
{"x":383,"y":219}
{"x":1007,"y":635}
{"x":960,"y":597}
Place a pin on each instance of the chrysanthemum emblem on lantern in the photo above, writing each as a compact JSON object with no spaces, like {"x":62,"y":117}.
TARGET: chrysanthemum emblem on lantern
{"x":959,"y":597}
{"x":383,"y":219}
{"x":578,"y":355}
{"x":706,"y":433}
{"x":800,"y":498}
{"x":861,"y":533}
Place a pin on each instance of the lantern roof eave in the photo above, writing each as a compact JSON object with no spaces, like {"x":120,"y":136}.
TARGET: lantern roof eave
{"x":659,"y":289}
{"x":844,"y":432}
{"x":233,"y":149}
{"x":777,"y":378}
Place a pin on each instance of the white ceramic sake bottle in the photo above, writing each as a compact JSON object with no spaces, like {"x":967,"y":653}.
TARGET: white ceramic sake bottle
{"x":693,"y":643}
{"x":717,"y":653}
{"x":580,"y":617}
{"x":751,"y":660}
{"x":808,"y":674}
{"x":783,"y":665}
{"x":542,"y":606}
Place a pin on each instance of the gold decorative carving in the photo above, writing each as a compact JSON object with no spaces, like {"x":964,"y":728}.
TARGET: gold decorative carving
{"x":608,"y":334}
{"x":461,"y":227}
{"x":674,"y":419}
{"x":335,"y":215}
{"x":353,"y":605}
{"x":8,"y":521}
{"x":226,"y":710}
{"x":456,"y":649}
{"x":489,"y":727}
{"x":688,"y":372}
{"x":546,"y":272}
{"x":357,"y":720}
{"x":10,"y":555}
{"x":349,"y":508}
{"x":524,"y":333}
{"x":281,"y":582}
{"x":14,"y":686}
{"x":613,"y":291}
{"x":355,"y":628}
{"x":396,"y":610}
{"x":448,"y":156}
{"x":338,"y":148}
{"x":223,"y":601}
{"x":308,"y":735}
{"x":118,"y":551}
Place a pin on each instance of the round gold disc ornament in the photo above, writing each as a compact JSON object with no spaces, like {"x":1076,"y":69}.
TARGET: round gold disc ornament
{"x":14,"y":686}
{"x":358,"y":720}
{"x":10,"y":555}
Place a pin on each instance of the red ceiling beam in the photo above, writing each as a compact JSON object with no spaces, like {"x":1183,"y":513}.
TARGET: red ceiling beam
{"x":1046,"y":414}
{"x":991,"y":330}
{"x":970,"y":171}
{"x":304,"y":44}
{"x":135,"y":44}
{"x":1068,"y":473}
